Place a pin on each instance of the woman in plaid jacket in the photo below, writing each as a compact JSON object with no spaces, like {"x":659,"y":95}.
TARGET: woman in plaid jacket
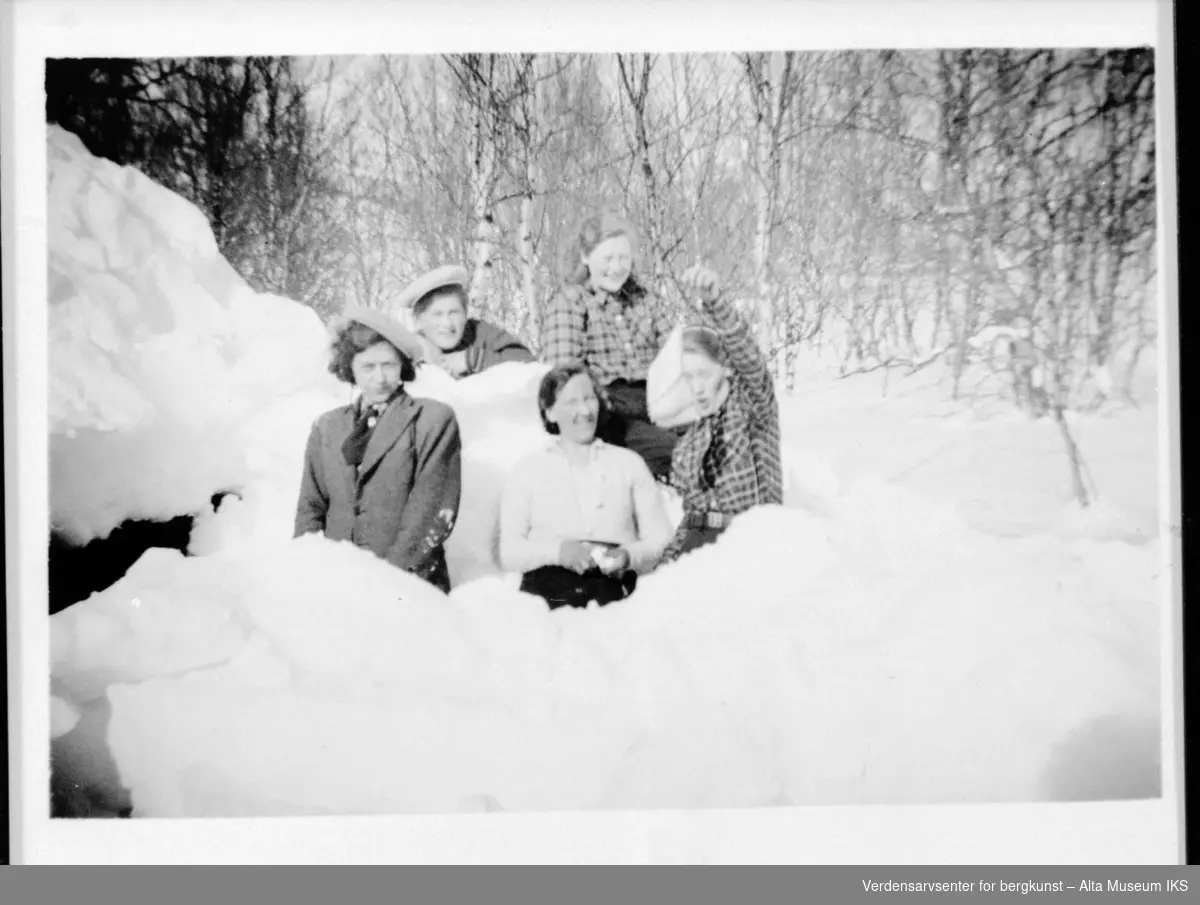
{"x":606,"y":320}
{"x":729,"y":459}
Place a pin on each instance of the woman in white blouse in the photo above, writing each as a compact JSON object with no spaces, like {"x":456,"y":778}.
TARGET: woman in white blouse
{"x":581,"y":518}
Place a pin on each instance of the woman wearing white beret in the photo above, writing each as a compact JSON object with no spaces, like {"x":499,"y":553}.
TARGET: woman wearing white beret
{"x":384,"y":472}
{"x":458,"y":344}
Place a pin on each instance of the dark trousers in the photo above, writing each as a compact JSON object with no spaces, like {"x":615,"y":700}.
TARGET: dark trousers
{"x":436,"y":571}
{"x":559,"y":586}
{"x":699,"y":537}
{"x":627,"y":423}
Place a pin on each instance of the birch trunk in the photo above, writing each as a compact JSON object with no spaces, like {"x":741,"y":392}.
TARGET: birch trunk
{"x":529,"y":104}
{"x":528,"y":290}
{"x":764,"y":92}
{"x":483,"y":172}
{"x":638,"y":94}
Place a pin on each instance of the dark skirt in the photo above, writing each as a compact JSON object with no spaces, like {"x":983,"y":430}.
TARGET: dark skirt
{"x":627,"y":423}
{"x":560,"y":586}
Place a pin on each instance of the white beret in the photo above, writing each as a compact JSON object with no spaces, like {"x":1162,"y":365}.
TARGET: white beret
{"x":389,"y":328}
{"x":442,"y":277}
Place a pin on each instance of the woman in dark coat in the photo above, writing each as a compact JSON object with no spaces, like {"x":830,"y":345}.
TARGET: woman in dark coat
{"x":729,"y":460}
{"x":458,"y":344}
{"x":385,"y":471}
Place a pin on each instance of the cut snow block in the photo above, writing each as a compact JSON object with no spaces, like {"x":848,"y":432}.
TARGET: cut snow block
{"x":143,"y":348}
{"x":167,"y":615}
{"x":349,"y":618}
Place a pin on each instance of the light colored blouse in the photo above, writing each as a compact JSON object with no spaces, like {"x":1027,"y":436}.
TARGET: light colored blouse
{"x":612,"y":498}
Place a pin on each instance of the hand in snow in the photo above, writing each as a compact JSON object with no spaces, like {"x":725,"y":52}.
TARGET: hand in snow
{"x":575,"y":556}
{"x":703,"y":281}
{"x":614,"y":561}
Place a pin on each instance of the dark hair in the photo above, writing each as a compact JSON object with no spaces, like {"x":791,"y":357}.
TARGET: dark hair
{"x":706,"y":342}
{"x":353,"y":338}
{"x":553,"y":383}
{"x":596,"y":229}
{"x":426,"y":300}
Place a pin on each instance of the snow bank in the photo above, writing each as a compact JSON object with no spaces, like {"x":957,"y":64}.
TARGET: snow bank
{"x":160,"y":356}
{"x":862,"y":643}
{"x":870,"y":664}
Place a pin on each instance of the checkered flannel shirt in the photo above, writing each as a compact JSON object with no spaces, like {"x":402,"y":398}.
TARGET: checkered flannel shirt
{"x":616,"y":338}
{"x":729,"y":461}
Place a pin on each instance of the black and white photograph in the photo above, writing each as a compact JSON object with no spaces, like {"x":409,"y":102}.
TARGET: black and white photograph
{"x":484,"y":431}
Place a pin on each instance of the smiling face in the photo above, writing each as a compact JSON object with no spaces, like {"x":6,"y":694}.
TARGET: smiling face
{"x":576,"y":410}
{"x":706,"y":379}
{"x":610,"y":263}
{"x":443,"y":320}
{"x":377,"y":372}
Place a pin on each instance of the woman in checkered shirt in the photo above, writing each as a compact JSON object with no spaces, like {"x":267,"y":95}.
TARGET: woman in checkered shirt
{"x":605,"y":320}
{"x":729,"y":459}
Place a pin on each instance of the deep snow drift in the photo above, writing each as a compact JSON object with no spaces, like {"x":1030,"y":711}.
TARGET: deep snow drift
{"x":163,"y":363}
{"x":864,"y":643}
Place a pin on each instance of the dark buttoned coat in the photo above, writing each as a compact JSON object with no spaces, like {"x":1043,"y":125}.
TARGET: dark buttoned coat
{"x":402,"y":502}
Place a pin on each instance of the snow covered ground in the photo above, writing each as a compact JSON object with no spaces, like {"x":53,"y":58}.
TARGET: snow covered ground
{"x":929,"y":618}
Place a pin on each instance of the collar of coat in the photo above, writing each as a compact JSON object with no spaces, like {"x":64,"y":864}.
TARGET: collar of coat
{"x":621,"y":300}
{"x":399,"y":414}
{"x":469,"y":344}
{"x":595,"y":448}
{"x":470,"y":336}
{"x":361,"y":405}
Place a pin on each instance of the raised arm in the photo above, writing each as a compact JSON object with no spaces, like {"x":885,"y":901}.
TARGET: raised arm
{"x":745,"y":358}
{"x":432,"y":508}
{"x":314,"y":500}
{"x":662,"y":323}
{"x":564,"y":329}
{"x":519,"y":552}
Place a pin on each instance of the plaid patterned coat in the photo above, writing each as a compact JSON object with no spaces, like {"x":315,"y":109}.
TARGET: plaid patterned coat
{"x":616,"y":336}
{"x":729,"y":461}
